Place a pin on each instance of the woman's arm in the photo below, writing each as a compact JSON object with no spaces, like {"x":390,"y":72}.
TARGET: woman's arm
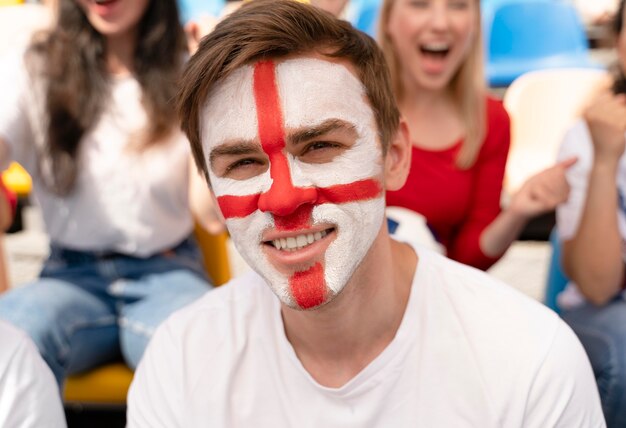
{"x":593,"y":257}
{"x":541,"y":193}
{"x":487,"y":175}
{"x":6,"y":217}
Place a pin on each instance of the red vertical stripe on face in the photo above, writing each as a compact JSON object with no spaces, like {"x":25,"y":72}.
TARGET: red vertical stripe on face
{"x":309,"y":287}
{"x":282,"y":199}
{"x":268,"y":111}
{"x":300,"y":219}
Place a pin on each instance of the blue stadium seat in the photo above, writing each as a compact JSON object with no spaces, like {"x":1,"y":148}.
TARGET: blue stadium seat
{"x":556,"y":280}
{"x":527,"y":35}
{"x":364,"y":15}
{"x":194,"y":8}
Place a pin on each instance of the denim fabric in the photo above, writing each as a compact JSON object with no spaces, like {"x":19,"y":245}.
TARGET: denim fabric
{"x":87,"y":308}
{"x":602,"y":331}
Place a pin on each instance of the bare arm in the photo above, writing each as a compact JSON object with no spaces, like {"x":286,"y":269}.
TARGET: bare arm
{"x":539,"y":194}
{"x":6,"y":218}
{"x":202,"y":203}
{"x":593,"y":257}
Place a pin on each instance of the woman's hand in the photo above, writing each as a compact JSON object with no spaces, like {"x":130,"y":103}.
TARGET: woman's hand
{"x":606,"y":120}
{"x":542,"y":192}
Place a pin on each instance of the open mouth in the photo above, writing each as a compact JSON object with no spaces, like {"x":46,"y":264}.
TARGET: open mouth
{"x":298,"y":242}
{"x":435,"y":50}
{"x":104,"y":2}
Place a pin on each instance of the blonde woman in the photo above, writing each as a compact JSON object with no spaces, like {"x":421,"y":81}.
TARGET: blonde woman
{"x":460,"y":134}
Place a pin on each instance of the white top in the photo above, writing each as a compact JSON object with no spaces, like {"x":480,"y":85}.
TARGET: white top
{"x":29,"y":395}
{"x":470,"y":352}
{"x":591,"y":10}
{"x":578,"y":143}
{"x":124,"y":200}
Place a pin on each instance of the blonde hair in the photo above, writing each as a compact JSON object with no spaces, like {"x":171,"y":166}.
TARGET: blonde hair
{"x":468,"y":86}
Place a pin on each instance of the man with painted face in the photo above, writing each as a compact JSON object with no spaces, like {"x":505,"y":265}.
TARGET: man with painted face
{"x":291,"y":118}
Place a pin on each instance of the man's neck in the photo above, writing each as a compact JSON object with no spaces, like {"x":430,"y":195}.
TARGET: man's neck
{"x":335,"y":342}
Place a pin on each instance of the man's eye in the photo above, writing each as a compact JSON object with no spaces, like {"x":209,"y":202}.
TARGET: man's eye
{"x":321,"y":151}
{"x":319,"y":145}
{"x":241,"y":167}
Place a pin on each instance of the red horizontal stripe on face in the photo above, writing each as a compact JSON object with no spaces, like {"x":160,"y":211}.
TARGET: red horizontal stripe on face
{"x":363,"y":190}
{"x":352,"y":192}
{"x":238,"y":206}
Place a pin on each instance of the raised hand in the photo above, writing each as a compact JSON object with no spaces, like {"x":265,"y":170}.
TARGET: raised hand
{"x":606,"y":120}
{"x":543,"y":192}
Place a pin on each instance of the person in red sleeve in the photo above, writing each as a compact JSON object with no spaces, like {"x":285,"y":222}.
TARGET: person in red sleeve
{"x":460,"y":135}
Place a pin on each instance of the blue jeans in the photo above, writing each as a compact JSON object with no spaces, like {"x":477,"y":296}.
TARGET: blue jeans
{"x":602,"y":331}
{"x":87,"y":308}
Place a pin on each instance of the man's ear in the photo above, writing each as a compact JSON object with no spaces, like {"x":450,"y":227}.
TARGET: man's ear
{"x":398,"y":159}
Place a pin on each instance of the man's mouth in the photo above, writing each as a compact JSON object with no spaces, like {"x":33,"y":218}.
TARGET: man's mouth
{"x":298,"y":242}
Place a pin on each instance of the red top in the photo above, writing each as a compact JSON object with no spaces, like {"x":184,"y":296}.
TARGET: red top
{"x":460,"y":204}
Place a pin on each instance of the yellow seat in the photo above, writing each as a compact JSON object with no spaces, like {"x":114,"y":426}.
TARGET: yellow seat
{"x":108,"y":384}
{"x":17,"y":179}
{"x":215,"y":255}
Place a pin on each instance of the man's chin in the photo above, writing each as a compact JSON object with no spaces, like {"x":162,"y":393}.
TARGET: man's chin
{"x":292,"y":304}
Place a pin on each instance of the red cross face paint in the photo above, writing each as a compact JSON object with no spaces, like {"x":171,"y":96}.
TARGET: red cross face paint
{"x":296,"y":166}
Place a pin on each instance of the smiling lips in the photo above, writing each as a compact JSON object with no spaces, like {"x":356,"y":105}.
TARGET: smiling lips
{"x":294,"y":243}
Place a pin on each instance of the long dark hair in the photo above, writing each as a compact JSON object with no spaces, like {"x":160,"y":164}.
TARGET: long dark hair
{"x":619,"y":84}
{"x":72,"y":55}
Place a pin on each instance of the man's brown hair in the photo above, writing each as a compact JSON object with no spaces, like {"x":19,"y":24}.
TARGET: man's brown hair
{"x":266,"y":29}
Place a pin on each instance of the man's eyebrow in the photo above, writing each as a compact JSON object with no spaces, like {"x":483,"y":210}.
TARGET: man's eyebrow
{"x":234,"y":148}
{"x":310,"y":133}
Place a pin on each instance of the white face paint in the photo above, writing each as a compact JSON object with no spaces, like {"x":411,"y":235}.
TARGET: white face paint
{"x":330,"y":206}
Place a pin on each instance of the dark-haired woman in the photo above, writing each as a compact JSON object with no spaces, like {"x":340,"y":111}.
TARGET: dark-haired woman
{"x":592,"y":228}
{"x":87,"y":110}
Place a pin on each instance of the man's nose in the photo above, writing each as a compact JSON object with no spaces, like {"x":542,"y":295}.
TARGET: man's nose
{"x":283,"y":198}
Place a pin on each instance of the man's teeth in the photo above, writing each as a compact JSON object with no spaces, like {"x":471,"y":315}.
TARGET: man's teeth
{"x":296,"y":242}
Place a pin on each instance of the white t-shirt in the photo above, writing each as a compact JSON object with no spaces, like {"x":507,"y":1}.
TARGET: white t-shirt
{"x":29,"y":395}
{"x":470,"y":352}
{"x":124,"y":200}
{"x":577,"y":142}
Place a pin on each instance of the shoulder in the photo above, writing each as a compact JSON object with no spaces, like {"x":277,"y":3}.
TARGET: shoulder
{"x":497,"y":139}
{"x":476,"y":293}
{"x":14,"y":343}
{"x":499,"y":322}
{"x":496,"y":113}
{"x":235,"y":306}
{"x":199,"y":345}
{"x":516,"y":345}
{"x":27,"y":386}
